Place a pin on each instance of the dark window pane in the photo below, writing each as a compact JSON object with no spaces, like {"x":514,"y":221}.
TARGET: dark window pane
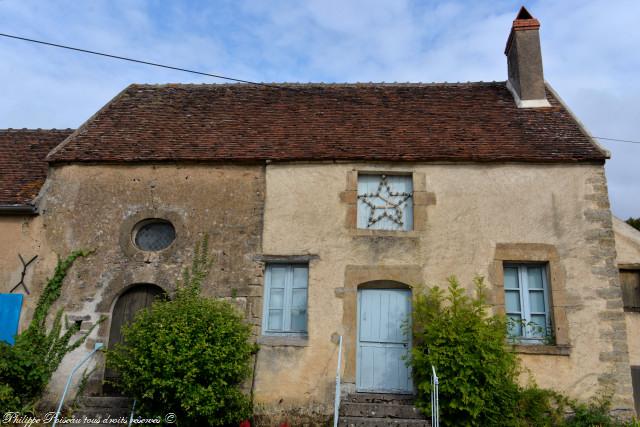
{"x":155,"y":236}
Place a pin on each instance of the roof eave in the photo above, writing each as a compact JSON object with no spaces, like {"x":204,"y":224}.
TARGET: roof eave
{"x":13,"y":210}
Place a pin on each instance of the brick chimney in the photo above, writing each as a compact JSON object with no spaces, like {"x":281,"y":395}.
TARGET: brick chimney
{"x":524,"y":60}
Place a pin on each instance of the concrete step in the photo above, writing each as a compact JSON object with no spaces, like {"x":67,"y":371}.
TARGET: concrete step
{"x":379,"y":410}
{"x":381,"y":422}
{"x":399,"y":399}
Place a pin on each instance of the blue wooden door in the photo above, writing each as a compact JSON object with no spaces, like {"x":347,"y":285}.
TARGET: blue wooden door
{"x":383,"y":341}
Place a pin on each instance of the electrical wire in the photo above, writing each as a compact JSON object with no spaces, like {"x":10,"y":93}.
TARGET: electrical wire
{"x":139,"y":61}
{"x":618,"y":140}
{"x":201,"y":73}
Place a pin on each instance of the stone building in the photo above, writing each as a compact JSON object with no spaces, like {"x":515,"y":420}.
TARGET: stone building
{"x":327,"y":207}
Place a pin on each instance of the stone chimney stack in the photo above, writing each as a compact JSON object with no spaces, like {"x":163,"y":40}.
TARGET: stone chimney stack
{"x":524,"y":59}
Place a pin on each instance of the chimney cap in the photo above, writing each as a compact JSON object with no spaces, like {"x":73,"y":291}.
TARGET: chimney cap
{"x":524,"y":21}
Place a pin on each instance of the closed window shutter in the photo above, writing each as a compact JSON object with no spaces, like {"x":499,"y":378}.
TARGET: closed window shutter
{"x":527,"y":301}
{"x":10,"y":307}
{"x":630,"y":281}
{"x":635,"y":383}
{"x":377,"y":189}
{"x":286,"y":299}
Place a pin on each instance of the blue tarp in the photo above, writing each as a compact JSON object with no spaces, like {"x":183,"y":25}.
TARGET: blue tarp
{"x":10,"y":306}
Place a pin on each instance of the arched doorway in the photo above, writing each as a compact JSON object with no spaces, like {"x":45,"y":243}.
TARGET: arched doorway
{"x":134,"y":299}
{"x":383,"y":338}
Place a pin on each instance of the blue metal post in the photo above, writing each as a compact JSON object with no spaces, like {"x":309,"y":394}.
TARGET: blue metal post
{"x":97,"y":347}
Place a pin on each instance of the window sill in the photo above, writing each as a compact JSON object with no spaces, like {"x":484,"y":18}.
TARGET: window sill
{"x":542,"y":349}
{"x":361,"y":232}
{"x":283,"y":341}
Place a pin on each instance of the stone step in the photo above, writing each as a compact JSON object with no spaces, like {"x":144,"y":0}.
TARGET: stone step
{"x":399,"y":399}
{"x":106,"y":402}
{"x":381,"y":422}
{"x":379,"y":410}
{"x":106,"y":408}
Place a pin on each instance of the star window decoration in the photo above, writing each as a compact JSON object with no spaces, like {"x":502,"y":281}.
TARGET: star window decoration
{"x":385,"y":203}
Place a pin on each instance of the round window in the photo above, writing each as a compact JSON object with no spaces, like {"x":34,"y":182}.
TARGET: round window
{"x":154,"y":235}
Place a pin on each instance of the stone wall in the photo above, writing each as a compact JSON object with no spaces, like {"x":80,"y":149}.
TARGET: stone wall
{"x":463,"y":214}
{"x":96,"y":207}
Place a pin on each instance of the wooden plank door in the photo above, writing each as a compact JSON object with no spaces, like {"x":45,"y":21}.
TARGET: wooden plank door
{"x":383,"y":341}
{"x":127,"y":305}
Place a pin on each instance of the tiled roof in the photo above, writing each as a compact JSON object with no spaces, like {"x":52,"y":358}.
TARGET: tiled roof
{"x":386,"y":122}
{"x":23,"y":168}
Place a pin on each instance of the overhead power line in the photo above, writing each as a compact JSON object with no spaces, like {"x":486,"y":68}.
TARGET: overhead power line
{"x":618,"y":140}
{"x":139,"y":61}
{"x":201,"y":73}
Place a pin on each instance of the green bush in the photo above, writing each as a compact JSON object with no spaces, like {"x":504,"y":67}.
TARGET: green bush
{"x":479,"y":373}
{"x":187,"y":356}
{"x":27,"y":366}
{"x":455,"y":334}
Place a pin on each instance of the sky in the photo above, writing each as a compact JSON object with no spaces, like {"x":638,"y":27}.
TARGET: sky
{"x":590,"y":49}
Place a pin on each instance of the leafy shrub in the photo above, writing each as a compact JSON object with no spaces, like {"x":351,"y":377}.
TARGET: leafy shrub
{"x":455,"y":334}
{"x":478,"y":373}
{"x":187,"y":356}
{"x":27,"y":366}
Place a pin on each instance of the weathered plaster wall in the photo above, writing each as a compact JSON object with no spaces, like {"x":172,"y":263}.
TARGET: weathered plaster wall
{"x":96,"y":207}
{"x":21,"y":235}
{"x":467,"y":210}
{"x":628,"y":249}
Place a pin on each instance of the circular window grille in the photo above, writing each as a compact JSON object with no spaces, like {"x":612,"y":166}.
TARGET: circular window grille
{"x":154,"y":235}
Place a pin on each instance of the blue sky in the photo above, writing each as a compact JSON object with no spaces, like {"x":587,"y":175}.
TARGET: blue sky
{"x":590,"y":54}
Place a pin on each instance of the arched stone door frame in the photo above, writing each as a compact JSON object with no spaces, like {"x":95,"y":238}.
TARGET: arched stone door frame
{"x":357,"y":276}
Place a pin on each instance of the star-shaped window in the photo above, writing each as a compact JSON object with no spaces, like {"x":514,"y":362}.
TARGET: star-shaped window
{"x":385,"y":202}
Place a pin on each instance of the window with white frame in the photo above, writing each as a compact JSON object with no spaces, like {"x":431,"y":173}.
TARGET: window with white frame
{"x":526,"y":302}
{"x":385,"y":202}
{"x":285,"y":301}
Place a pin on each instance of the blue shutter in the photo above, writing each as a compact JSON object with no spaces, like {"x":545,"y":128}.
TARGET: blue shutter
{"x":10,"y":306}
{"x":527,"y":301}
{"x":285,"y":299}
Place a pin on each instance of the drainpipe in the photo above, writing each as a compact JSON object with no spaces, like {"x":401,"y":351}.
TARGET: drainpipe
{"x":97,"y":347}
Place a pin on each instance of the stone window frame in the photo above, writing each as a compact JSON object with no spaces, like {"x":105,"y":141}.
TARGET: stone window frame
{"x":535,"y":253}
{"x":129,"y":224}
{"x":421,"y":199}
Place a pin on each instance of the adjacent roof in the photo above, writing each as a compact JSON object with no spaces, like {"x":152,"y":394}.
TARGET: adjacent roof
{"x":386,"y":122}
{"x":23,"y":167}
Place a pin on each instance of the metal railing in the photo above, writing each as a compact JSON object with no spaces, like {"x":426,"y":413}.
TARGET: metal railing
{"x":133,"y":410}
{"x":96,"y":348}
{"x":435,"y":404}
{"x":336,"y":403}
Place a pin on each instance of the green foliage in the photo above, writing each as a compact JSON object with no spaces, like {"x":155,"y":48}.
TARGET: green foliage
{"x":188,"y":355}
{"x":27,"y":366}
{"x":634,"y":222}
{"x":455,"y":334}
{"x":478,"y":373}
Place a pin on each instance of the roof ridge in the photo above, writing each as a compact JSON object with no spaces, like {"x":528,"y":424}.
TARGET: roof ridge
{"x":36,"y":130}
{"x":316,"y":84}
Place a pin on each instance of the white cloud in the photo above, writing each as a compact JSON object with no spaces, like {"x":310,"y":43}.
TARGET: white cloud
{"x":589,"y":51}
